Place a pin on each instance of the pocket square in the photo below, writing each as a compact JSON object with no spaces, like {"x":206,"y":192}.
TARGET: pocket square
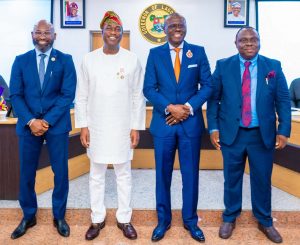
{"x":193,"y":65}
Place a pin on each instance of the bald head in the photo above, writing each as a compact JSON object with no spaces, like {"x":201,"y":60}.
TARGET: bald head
{"x":44,"y":22}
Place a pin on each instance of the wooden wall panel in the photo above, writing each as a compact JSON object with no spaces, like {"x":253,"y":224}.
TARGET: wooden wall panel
{"x":9,"y":162}
{"x":97,"y":42}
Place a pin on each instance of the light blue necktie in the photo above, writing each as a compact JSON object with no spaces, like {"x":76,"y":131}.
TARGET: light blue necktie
{"x":42,"y":69}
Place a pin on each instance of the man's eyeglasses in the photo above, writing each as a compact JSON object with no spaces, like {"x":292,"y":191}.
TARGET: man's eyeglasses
{"x":43,"y":33}
{"x":176,"y":26}
{"x":250,"y":40}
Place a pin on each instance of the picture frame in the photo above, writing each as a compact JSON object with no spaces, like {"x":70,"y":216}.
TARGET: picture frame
{"x":72,"y":13}
{"x":236,"y":13}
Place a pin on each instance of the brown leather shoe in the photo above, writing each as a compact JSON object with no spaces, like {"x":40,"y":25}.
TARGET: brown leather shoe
{"x":94,"y":230}
{"x":128,"y":230}
{"x":270,"y":233}
{"x":226,"y":229}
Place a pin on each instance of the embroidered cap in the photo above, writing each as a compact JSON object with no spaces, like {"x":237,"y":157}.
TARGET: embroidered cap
{"x":109,"y":18}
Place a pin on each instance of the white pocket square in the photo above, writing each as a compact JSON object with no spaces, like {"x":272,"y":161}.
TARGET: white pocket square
{"x":193,"y":65}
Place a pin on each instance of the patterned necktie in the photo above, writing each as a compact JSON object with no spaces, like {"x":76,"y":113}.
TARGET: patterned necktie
{"x":246,"y":94}
{"x":42,"y":68}
{"x":177,"y":64}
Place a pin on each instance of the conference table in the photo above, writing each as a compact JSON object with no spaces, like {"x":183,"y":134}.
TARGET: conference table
{"x":286,"y":171}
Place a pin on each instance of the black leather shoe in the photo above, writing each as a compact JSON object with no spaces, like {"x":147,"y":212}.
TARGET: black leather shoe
{"x":159,"y":232}
{"x":22,"y":228}
{"x":62,"y":227}
{"x":271,"y":233}
{"x":226,"y":229}
{"x":196,"y":232}
{"x":94,"y":230}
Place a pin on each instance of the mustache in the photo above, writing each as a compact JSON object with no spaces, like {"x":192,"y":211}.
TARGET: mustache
{"x":35,"y":43}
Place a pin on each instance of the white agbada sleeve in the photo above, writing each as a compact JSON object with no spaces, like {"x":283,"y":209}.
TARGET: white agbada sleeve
{"x":138,"y":112}
{"x":81,"y":97}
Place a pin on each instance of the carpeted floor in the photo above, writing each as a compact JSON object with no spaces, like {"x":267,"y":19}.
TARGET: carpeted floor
{"x":286,"y":212}
{"x":246,"y":232}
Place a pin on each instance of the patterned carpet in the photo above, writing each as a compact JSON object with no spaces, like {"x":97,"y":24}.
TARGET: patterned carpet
{"x":246,"y":232}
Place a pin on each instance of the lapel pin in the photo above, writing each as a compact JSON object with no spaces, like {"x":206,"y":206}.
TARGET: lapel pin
{"x":52,"y":58}
{"x":189,"y":54}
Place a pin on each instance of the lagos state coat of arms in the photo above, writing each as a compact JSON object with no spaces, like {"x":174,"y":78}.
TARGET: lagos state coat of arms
{"x":151,"y":22}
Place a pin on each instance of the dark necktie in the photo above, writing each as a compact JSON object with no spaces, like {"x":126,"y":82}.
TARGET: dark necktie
{"x":177,"y":64}
{"x":42,"y":68}
{"x":246,"y":95}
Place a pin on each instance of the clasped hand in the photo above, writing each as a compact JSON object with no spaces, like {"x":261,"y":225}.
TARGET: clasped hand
{"x":38,"y":127}
{"x":178,"y":113}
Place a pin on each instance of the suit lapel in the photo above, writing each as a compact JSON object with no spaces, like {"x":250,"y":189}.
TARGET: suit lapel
{"x":183,"y":64}
{"x":236,"y":73}
{"x":261,"y":68}
{"x":50,"y":65}
{"x":34,"y":69}
{"x":166,"y":58}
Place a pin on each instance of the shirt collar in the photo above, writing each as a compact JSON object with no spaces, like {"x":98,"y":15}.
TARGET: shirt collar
{"x":172,"y":47}
{"x":253,"y":61}
{"x":38,"y":52}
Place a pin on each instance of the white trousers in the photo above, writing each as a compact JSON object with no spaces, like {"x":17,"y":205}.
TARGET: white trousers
{"x":97,"y":191}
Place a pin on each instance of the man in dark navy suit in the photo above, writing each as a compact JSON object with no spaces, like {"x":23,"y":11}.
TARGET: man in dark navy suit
{"x":250,"y":96}
{"x":177,"y":83}
{"x":42,"y":88}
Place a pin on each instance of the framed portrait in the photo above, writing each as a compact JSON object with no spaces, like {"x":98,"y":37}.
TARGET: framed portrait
{"x":236,"y":13}
{"x":72,"y":13}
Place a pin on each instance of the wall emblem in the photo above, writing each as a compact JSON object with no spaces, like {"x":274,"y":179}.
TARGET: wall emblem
{"x":151,"y":22}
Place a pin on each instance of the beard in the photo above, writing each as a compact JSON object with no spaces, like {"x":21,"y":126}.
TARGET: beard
{"x":43,"y":48}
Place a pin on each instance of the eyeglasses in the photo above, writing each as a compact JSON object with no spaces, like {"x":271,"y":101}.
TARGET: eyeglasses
{"x":176,"y":26}
{"x":251,"y":40}
{"x":42,"y":33}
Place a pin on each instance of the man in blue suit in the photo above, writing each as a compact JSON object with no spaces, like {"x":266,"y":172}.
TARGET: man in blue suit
{"x":42,"y":89}
{"x":250,"y":95}
{"x":177,"y":83}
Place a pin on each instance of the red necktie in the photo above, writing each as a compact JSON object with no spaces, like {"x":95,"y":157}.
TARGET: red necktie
{"x":246,"y":94}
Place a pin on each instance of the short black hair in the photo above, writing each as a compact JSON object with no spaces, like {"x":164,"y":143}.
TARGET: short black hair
{"x":246,"y":28}
{"x":175,"y":15}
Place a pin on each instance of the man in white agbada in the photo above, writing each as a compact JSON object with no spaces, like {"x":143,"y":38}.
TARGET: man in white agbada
{"x":110,"y":109}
